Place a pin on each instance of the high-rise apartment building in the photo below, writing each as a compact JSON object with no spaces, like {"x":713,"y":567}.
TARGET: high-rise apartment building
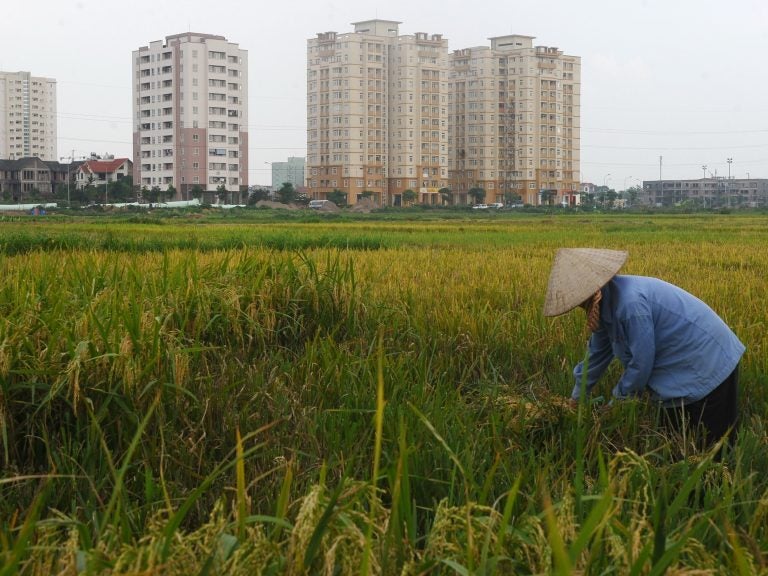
{"x":190,"y":113}
{"x":514,"y":121}
{"x":27,"y":116}
{"x":377,"y":114}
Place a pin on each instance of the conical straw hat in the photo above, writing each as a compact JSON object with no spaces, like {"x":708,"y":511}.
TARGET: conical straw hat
{"x":577,"y":273}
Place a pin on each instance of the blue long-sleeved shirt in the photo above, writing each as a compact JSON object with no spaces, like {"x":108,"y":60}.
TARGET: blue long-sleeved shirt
{"x":668,"y":341}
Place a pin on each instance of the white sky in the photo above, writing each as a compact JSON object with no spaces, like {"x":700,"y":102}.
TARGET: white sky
{"x":682,"y":79}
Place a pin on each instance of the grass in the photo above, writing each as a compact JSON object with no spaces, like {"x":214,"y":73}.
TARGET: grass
{"x":367,"y":397}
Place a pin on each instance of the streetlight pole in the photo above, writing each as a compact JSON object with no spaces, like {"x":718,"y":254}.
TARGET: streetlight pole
{"x":728,"y":182}
{"x":605,"y":191}
{"x":271,"y":183}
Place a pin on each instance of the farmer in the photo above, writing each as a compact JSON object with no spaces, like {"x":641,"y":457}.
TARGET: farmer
{"x":671,"y":344}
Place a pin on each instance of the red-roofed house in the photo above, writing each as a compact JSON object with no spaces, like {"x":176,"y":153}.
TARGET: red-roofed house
{"x":97,"y":172}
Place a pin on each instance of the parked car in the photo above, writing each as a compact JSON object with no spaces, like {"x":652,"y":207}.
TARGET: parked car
{"x":317,"y":204}
{"x":479,"y":206}
{"x":496,"y":205}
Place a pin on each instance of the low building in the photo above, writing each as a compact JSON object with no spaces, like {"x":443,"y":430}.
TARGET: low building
{"x":32,"y":178}
{"x":706,"y":192}
{"x":101,"y":171}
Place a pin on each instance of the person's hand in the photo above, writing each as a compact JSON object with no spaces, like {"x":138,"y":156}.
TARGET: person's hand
{"x":605,"y":407}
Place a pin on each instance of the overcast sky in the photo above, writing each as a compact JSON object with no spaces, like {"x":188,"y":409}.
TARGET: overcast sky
{"x":681,"y":79}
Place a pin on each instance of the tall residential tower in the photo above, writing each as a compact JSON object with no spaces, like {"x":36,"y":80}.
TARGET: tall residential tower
{"x":27,"y":116}
{"x":190,"y":114}
{"x":377,"y":114}
{"x":514,"y":121}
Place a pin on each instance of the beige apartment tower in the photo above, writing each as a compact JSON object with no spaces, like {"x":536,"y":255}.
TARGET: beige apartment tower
{"x":27,"y":116}
{"x":190,"y":114}
{"x":377,"y":114}
{"x":514,"y":121}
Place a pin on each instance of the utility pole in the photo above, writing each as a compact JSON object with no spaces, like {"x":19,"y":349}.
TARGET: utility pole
{"x":728,"y":182}
{"x":661,"y":181}
{"x":69,"y":175}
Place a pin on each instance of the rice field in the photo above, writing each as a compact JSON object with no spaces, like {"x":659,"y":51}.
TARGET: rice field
{"x":363,"y":396}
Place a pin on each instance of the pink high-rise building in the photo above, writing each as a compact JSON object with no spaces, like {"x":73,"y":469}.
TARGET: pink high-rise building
{"x":190,"y":114}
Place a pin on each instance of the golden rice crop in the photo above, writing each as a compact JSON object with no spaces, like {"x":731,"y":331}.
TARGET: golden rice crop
{"x":127,"y":369}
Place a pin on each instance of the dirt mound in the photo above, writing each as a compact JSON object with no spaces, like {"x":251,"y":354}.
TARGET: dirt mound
{"x":329,"y":206}
{"x":364,"y":205}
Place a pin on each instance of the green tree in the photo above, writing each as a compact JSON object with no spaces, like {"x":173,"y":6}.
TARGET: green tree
{"x":170,"y":192}
{"x":588,"y":201}
{"x":477,"y":194}
{"x":512,"y":198}
{"x":257,"y":194}
{"x":446,"y":195}
{"x":154,"y":194}
{"x":409,"y":197}
{"x":88,"y":192}
{"x":221,"y":193}
{"x":632,"y":194}
{"x":287,"y":193}
{"x":197,"y":191}
{"x":121,"y":190}
{"x":337,"y":197}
